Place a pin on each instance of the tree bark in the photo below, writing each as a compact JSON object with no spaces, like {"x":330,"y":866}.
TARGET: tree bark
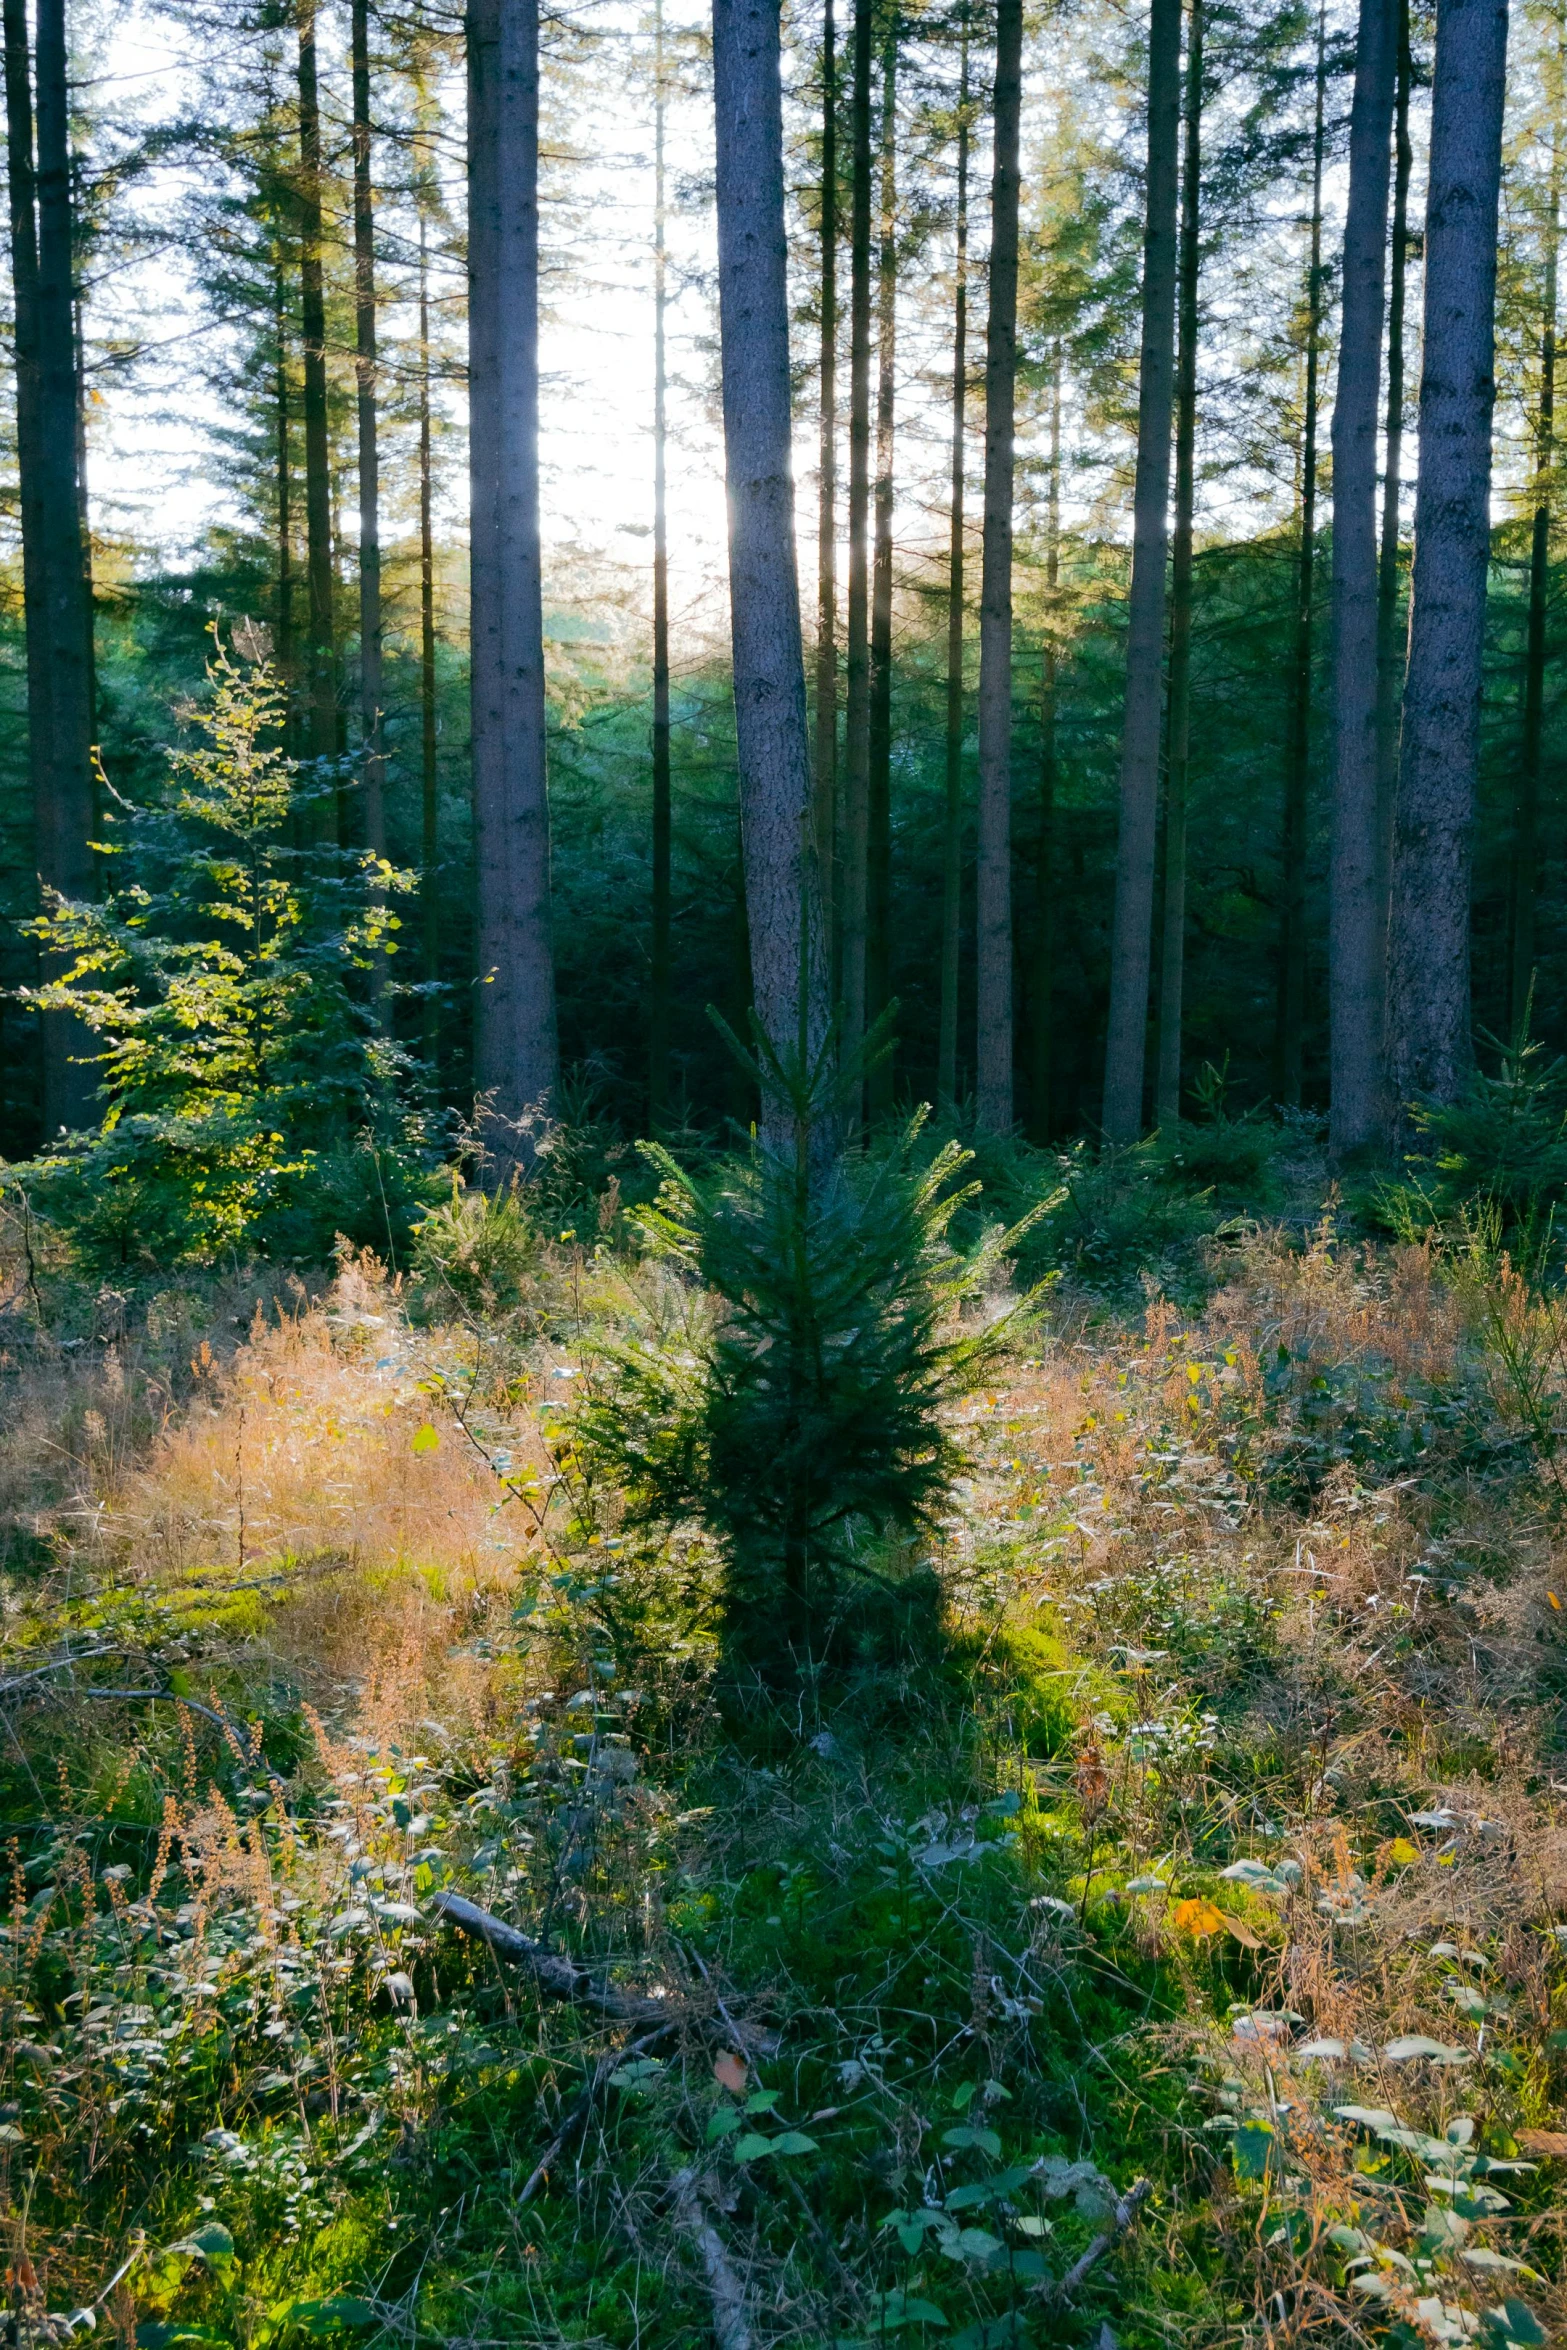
{"x":789,"y":968}
{"x":515,"y":1052}
{"x":1355,"y":972}
{"x":1289,"y":1029}
{"x":23,"y":208}
{"x":993,"y":888}
{"x":83,"y":504}
{"x":429,"y":802}
{"x":1172,"y":972}
{"x":952,"y":830}
{"x":57,"y":601}
{"x":878,"y":854}
{"x":1131,"y":933}
{"x":372,"y":781}
{"x":856,"y":810}
{"x":1391,"y":641}
{"x":1428,"y":939}
{"x":283,"y":640}
{"x":1042,"y":967}
{"x":1524,"y":876}
{"x":322,"y":699}
{"x":827,"y":497}
{"x":658,"y":1021}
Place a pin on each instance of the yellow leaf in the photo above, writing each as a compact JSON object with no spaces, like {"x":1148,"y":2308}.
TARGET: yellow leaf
{"x":426,"y":1438}
{"x":1197,"y":1917}
{"x":1401,"y":1852}
{"x":1555,"y":1602}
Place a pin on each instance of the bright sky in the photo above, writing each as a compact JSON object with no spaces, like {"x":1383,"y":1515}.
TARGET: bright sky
{"x":152,"y":434}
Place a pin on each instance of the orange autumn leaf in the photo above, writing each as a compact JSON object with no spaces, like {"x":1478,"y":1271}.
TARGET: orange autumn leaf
{"x":1551,"y":2143}
{"x":729,"y":2071}
{"x":1198,"y":1917}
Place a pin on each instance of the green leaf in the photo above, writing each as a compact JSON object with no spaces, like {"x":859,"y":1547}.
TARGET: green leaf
{"x":1249,"y":2149}
{"x":320,"y":2317}
{"x":1514,"y":2327}
{"x":426,"y":1439}
{"x":991,"y":2190}
{"x":638,"y":2074}
{"x":211,"y":2242}
{"x":898,"y":2308}
{"x":722,"y":2124}
{"x":985,"y":2141}
{"x":153,"y":2336}
{"x":1418,"y":2044}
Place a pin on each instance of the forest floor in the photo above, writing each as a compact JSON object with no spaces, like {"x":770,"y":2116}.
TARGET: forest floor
{"x":1174,"y":1953}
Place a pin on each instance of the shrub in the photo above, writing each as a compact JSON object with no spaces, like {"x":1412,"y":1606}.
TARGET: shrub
{"x":803,"y":1418}
{"x":226,"y":981}
{"x":1127,"y":1216}
{"x":1502,"y":1146}
{"x":481,"y":1248}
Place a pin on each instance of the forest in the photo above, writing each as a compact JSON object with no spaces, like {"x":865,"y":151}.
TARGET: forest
{"x":783,"y":1175}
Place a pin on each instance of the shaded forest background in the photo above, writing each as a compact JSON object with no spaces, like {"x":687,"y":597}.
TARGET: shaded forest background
{"x":230,"y":226}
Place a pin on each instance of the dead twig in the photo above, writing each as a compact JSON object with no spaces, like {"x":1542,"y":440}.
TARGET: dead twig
{"x":1122,"y":2218}
{"x":731,"y":2318}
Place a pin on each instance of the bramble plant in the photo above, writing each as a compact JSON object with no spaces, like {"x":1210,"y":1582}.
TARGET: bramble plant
{"x":224,"y":984}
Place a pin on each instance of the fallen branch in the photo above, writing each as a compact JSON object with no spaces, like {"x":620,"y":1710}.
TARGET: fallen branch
{"x":731,"y":2319}
{"x":1121,"y":2219}
{"x":559,"y":1977}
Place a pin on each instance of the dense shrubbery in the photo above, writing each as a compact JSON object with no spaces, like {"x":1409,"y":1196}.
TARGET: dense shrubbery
{"x":224,"y":986}
{"x":1502,"y":1147}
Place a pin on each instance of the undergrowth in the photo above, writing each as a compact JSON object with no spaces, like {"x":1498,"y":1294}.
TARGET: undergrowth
{"x":1160,"y":1937}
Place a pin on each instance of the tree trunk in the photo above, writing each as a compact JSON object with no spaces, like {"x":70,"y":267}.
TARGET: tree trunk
{"x":878,"y":854}
{"x":1131,"y":934}
{"x":1391,"y":641}
{"x":993,"y":888}
{"x":1172,"y":972}
{"x":372,"y":784}
{"x":54,"y":578}
{"x":429,"y":803}
{"x":23,"y":205}
{"x":856,"y":810}
{"x":1289,"y":1030}
{"x":1355,"y":974}
{"x":515,"y":1053}
{"x":322,"y":704}
{"x":1428,"y":939}
{"x":1042,"y":971}
{"x":827,"y":508}
{"x":658,"y":1022}
{"x":1524,"y":877}
{"x":283,"y":639}
{"x":70,"y":634}
{"x":789,"y":968}
{"x":952,"y":832}
{"x":84,"y":509}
